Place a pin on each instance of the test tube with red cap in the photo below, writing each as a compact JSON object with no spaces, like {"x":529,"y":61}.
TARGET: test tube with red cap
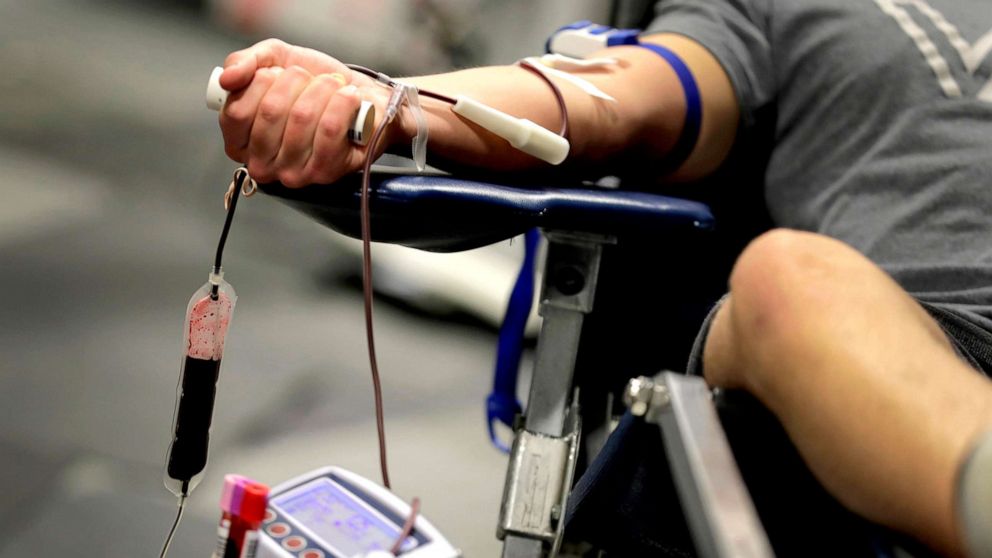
{"x":230,"y":500}
{"x":246,"y":521}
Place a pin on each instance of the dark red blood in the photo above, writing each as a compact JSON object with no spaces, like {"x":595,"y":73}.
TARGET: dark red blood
{"x":188,"y":454}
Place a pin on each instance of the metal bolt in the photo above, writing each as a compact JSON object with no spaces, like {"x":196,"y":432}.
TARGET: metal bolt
{"x":637,"y":397}
{"x":569,"y":280}
{"x":643,"y":396}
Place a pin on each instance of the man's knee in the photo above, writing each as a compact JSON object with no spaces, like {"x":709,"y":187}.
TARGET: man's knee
{"x":774,"y":288}
{"x":797,"y":297}
{"x":784,"y":278}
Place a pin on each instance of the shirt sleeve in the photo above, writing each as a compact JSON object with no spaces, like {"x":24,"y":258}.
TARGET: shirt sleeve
{"x":975,"y":499}
{"x":735,"y":32}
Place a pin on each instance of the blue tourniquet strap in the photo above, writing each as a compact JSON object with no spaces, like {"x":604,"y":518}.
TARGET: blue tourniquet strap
{"x":693,"y":108}
{"x":502,"y":404}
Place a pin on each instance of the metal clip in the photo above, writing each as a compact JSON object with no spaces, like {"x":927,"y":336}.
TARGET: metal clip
{"x":540,"y":473}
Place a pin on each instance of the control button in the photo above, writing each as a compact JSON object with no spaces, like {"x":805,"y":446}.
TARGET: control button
{"x":295,"y":542}
{"x":277,"y":530}
{"x":270,"y":516}
{"x":312,"y":553}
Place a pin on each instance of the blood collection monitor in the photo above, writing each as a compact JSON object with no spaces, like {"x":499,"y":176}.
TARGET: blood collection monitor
{"x":334,"y":513}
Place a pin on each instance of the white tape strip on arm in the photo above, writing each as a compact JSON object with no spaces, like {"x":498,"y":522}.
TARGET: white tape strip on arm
{"x":541,"y":65}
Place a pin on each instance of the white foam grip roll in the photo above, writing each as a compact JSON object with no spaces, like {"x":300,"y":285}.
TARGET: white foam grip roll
{"x":521,"y":133}
{"x":216,"y":95}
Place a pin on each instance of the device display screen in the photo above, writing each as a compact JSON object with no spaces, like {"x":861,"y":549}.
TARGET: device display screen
{"x":343,"y":523}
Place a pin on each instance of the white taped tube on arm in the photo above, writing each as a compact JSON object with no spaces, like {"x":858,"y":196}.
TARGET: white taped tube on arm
{"x":521,"y":133}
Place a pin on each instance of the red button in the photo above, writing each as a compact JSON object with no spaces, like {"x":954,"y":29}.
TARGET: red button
{"x":277,"y":529}
{"x":294,"y":543}
{"x":270,"y":516}
{"x":311,"y":554}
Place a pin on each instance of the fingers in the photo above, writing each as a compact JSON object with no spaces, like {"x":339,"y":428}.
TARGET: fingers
{"x":288,"y":114}
{"x":333,"y":155}
{"x":269,"y":126}
{"x":301,"y":126}
{"x":238,"y":116}
{"x":240,"y":67}
{"x":293,"y":127}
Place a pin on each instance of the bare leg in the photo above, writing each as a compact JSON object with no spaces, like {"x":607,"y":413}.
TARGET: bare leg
{"x":864,"y":381}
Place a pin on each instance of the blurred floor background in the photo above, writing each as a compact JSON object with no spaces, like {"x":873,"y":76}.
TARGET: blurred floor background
{"x":111,"y":177}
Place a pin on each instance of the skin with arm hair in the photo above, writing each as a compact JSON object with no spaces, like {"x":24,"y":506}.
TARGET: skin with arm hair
{"x":286,"y":118}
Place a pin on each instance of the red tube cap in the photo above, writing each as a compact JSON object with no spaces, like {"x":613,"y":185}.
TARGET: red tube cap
{"x":254,"y":502}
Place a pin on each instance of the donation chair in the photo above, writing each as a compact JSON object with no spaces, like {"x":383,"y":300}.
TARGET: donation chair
{"x":634,"y":496}
{"x":444,"y":214}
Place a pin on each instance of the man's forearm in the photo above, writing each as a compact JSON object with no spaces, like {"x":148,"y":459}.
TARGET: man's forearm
{"x":643,"y":123}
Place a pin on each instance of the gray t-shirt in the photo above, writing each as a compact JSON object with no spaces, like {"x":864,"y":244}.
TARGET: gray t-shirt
{"x":882,"y":126}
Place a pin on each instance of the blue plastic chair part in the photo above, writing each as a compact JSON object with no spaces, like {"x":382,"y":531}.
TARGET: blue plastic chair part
{"x":449,"y":214}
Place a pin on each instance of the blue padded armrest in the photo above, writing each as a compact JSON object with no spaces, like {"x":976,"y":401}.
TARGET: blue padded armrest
{"x":448,"y":214}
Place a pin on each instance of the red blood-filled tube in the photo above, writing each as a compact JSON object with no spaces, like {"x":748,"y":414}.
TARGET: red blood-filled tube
{"x":230,"y":501}
{"x":208,"y":317}
{"x":243,"y":538}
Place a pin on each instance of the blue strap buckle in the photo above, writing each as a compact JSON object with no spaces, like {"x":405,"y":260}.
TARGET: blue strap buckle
{"x":582,"y":38}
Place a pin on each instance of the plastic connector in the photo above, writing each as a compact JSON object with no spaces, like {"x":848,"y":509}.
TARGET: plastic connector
{"x":519,"y":132}
{"x":583,"y":38}
{"x":216,"y":277}
{"x":395,"y":102}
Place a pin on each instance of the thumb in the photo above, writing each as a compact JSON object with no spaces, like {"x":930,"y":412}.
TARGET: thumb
{"x":240,"y":66}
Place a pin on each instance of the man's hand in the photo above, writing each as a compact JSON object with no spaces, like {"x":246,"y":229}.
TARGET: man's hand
{"x":288,"y":114}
